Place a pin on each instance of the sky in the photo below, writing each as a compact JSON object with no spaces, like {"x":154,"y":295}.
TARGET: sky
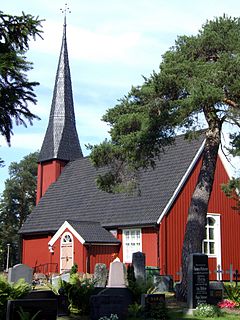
{"x":111,"y":45}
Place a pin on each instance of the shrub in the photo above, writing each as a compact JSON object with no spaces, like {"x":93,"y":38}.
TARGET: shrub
{"x":9,"y":291}
{"x":78,"y":290}
{"x":158,"y":312}
{"x":233,"y":292}
{"x":207,"y":311}
{"x":139,"y":287}
{"x":134,"y":310}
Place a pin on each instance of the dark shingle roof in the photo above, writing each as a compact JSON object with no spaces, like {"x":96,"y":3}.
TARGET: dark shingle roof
{"x":61,"y":138}
{"x":74,"y":196}
{"x":93,"y":232}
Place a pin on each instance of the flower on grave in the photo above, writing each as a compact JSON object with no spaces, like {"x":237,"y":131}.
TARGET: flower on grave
{"x":226,"y":303}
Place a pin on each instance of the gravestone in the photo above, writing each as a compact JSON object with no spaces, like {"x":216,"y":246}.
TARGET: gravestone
{"x":138,"y":262}
{"x":163,"y":283}
{"x":100,"y":275}
{"x":216,"y":291}
{"x":116,"y":278}
{"x":20,"y":271}
{"x":110,"y":301}
{"x":47,"y":308}
{"x":198,"y":280}
{"x":152,"y":301}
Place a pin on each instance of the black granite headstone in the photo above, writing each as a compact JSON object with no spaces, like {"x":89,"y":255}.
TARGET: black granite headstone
{"x":198,"y":280}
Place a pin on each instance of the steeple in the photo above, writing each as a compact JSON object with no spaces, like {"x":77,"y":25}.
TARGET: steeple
{"x":61,"y":139}
{"x":61,"y":143}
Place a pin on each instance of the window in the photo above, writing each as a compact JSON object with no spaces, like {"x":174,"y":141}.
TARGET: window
{"x":209,"y":243}
{"x":67,"y":238}
{"x":132,"y":242}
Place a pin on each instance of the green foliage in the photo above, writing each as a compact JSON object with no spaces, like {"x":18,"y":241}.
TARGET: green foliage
{"x":158,"y":312}
{"x":233,"y":292}
{"x":139,"y":287}
{"x":24,"y":315}
{"x":198,"y":75}
{"x":207,"y":311}
{"x":15,"y":89}
{"x":74,"y":269}
{"x":78,"y":290}
{"x":16,"y":203}
{"x":10,"y":291}
{"x":135,"y":310}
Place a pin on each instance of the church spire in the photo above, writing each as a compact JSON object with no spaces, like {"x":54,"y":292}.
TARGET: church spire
{"x":61,"y":139}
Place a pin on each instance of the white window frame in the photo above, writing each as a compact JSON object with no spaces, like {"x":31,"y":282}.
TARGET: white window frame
{"x":130,"y":243}
{"x":217,"y":239}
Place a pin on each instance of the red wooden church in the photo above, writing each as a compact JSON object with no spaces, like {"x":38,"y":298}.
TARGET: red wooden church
{"x":74,"y":222}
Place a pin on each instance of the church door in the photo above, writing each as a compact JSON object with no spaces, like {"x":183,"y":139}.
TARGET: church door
{"x":66,"y":256}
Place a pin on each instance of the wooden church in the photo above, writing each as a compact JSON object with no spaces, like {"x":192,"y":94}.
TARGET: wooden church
{"x":74,"y":222}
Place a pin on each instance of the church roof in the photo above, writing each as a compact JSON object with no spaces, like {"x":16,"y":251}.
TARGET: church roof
{"x":74,"y":196}
{"x":61,"y":139}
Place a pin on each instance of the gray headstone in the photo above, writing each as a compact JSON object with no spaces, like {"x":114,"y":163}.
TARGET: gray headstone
{"x":138,"y":262}
{"x":216,"y":291}
{"x":198,"y":280}
{"x":56,"y":280}
{"x":20,"y":271}
{"x":116,"y":278}
{"x":100,"y":275}
{"x":163,"y":283}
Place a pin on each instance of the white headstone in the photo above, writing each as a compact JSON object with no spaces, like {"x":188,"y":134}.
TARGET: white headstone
{"x":116,"y":278}
{"x":20,"y":271}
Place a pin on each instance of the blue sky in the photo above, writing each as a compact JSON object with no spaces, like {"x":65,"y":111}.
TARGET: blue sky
{"x":111,"y":44}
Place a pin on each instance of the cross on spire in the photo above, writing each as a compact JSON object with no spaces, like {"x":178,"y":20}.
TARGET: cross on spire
{"x":65,"y":11}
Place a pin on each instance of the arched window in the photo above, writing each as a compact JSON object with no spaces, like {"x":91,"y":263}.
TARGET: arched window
{"x":67,"y":238}
{"x":209,"y":243}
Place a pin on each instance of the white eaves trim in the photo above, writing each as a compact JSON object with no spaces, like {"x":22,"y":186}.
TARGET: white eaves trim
{"x":225,"y":163}
{"x":183,"y":180}
{"x":64,"y":226}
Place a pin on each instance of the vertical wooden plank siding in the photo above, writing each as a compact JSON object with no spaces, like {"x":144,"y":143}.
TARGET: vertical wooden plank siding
{"x":230,"y":222}
{"x":172,"y":227}
{"x":35,"y":250}
{"x":149,"y":245}
{"x":48,"y":172}
{"x":102,"y":254}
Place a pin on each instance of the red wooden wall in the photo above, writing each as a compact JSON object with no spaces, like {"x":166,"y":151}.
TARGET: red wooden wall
{"x":48,"y":172}
{"x":172,"y":227}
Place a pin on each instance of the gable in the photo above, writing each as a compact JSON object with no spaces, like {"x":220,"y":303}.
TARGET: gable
{"x":85,"y":232}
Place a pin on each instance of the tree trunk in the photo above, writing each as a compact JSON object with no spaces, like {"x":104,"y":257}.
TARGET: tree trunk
{"x":196,"y":222}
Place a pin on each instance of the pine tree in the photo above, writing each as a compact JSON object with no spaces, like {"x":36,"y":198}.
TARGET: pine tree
{"x":16,"y":91}
{"x":198,"y":78}
{"x":16,"y":203}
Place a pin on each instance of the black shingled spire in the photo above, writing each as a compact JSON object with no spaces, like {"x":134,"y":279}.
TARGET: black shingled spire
{"x":61,"y":139}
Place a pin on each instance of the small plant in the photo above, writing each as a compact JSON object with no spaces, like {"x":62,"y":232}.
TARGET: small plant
{"x":157,"y":312}
{"x":226,"y":303}
{"x":207,"y":311}
{"x":78,"y":290}
{"x":134,"y":310}
{"x":112,"y":317}
{"x":233,"y":293}
{"x":24,"y":315}
{"x":9,"y":291}
{"x":74,"y":269}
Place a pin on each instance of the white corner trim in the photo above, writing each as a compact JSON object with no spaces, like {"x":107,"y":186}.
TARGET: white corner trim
{"x":64,"y":226}
{"x":183,"y":180}
{"x":225,"y":163}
